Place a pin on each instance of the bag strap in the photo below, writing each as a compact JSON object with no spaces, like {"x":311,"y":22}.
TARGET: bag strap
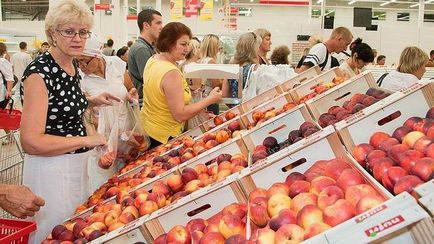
{"x":324,"y":64}
{"x":380,"y":80}
{"x":4,"y":79}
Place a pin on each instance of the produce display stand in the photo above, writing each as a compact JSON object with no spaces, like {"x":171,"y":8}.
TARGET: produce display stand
{"x":299,"y":79}
{"x":378,"y":71}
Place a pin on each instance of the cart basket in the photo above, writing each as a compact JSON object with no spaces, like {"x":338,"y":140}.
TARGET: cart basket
{"x":15,"y":231}
{"x":10,"y":118}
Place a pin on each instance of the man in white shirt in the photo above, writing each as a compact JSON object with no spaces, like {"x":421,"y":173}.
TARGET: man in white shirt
{"x":20,"y":61}
{"x":320,"y":54}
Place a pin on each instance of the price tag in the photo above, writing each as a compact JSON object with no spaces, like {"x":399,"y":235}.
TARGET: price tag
{"x":411,"y":88}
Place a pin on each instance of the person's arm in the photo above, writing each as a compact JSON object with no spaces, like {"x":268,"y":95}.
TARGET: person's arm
{"x":33,"y":120}
{"x":127,"y":81}
{"x":19,"y":201}
{"x":7,"y":71}
{"x":215,"y":82}
{"x":315,"y":57}
{"x":173,"y":89}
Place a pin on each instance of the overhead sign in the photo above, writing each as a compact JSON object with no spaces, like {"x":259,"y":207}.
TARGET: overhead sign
{"x":102,"y":6}
{"x":284,"y":2}
{"x":132,"y":17}
{"x":176,"y":10}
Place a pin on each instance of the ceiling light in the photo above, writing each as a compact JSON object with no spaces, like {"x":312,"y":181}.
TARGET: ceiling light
{"x":252,"y":1}
{"x":384,"y":4}
{"x":319,"y":1}
{"x":392,"y":1}
{"x":352,"y":1}
{"x":414,"y":5}
{"x":429,"y":1}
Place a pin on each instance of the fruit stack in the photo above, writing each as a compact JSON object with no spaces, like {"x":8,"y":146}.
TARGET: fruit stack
{"x":404,"y":160}
{"x":220,"y":119}
{"x":320,"y":88}
{"x":355,"y":104}
{"x":327,"y":194}
{"x":270,"y":145}
{"x":259,"y":117}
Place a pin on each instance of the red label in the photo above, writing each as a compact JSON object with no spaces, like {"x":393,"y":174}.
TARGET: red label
{"x":371,"y":232}
{"x":370,"y":213}
{"x":285,"y":2}
{"x":102,"y":6}
{"x":132,"y":17}
{"x":191,"y":8}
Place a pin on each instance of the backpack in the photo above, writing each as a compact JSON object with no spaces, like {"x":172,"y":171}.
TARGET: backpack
{"x":323,"y":65}
{"x":380,"y":80}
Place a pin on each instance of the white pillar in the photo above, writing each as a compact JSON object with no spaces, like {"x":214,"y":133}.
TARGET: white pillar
{"x":117,"y":23}
{"x":158,"y":5}
{"x":138,"y":11}
{"x":1,"y":14}
{"x":421,"y":13}
{"x":96,"y":19}
{"x":323,"y":5}
{"x":124,"y":24}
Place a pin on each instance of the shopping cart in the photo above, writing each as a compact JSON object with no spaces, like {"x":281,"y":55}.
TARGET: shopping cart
{"x":10,"y":118}
{"x":15,"y":231}
{"x":11,"y":162}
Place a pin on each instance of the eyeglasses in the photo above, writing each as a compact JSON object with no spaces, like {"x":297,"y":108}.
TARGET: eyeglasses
{"x":69,"y":33}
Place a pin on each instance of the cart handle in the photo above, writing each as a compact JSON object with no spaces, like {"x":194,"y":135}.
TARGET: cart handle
{"x":12,"y":105}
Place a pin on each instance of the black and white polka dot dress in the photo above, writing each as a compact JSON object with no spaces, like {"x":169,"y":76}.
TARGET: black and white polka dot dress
{"x":66,"y":102}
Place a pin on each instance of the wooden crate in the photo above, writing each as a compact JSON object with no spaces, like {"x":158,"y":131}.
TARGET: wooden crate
{"x":209,"y":124}
{"x":204,"y":204}
{"x":299,"y":79}
{"x":414,"y":101}
{"x":193,"y":133}
{"x":261,"y":98}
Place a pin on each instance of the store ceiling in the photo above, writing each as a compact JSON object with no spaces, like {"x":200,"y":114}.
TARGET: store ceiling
{"x":36,"y":9}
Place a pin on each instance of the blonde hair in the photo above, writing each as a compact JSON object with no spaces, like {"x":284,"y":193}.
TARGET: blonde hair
{"x":314,"y":39}
{"x":194,"y":47}
{"x":262,"y":32}
{"x":209,"y":46}
{"x":412,"y":58}
{"x":67,"y":11}
{"x":246,"y":50}
{"x":342,"y":32}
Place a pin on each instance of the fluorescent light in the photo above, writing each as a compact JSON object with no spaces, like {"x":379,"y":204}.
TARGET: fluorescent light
{"x":414,"y":5}
{"x":352,"y":1}
{"x":429,"y":1}
{"x":384,"y":4}
{"x":392,"y":1}
{"x":319,"y":1}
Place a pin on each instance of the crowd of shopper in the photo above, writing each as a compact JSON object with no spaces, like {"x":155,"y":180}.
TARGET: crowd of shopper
{"x":73,"y":76}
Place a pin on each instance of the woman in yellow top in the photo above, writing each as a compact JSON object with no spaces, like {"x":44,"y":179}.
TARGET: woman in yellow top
{"x":166,"y":94}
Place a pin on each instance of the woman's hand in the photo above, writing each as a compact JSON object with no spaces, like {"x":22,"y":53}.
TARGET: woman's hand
{"x":133,"y":96}
{"x":95,"y":140}
{"x":104,"y":98}
{"x":215,"y":95}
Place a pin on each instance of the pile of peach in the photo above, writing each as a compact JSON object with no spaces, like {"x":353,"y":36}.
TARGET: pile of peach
{"x":270,"y":144}
{"x":260,"y":117}
{"x":404,"y":160}
{"x":109,"y":216}
{"x":321,"y":88}
{"x":218,"y":120}
{"x":327,"y":194}
{"x":355,"y":104}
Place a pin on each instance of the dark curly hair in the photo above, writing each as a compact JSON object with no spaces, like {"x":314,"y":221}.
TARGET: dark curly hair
{"x":363,"y":50}
{"x":280,"y":55}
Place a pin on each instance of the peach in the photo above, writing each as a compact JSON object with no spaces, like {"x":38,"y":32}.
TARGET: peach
{"x":367,"y":202}
{"x":231,"y":225}
{"x":188,"y":174}
{"x":422,"y":144}
{"x":208,"y":136}
{"x":234,"y":126}
{"x":315,"y":229}
{"x":222,"y":136}
{"x":239,"y":210}
{"x":258,"y":155}
{"x":157,"y":197}
{"x":289,"y":233}
{"x":95,"y":234}
{"x":276,"y":203}
{"x":258,"y":211}
{"x":309,"y":215}
{"x":391,"y":176}
{"x":212,"y":238}
{"x":175,"y":183}
{"x":349,"y":177}
{"x":430,"y":113}
{"x":148,"y":207}
{"x":95,"y":217}
{"x":430,"y":151}
{"x":411,"y":138}
{"x":297,"y":187}
{"x":408,"y":159}
{"x":396,"y":150}
{"x":374,"y":154}
{"x":210,"y":144}
{"x":286,"y":216}
{"x":303,"y":199}
{"x":406,"y":183}
{"x":278,"y":188}
{"x":257,"y":116}
{"x":56,"y":231}
{"x":196,"y":224}
{"x":140,"y":199}
{"x":257,"y":192}
{"x":321,"y":182}
{"x":239,"y":159}
{"x":178,"y":234}
{"x":229,"y":115}
{"x":400,"y":132}
{"x":387,"y":144}
{"x":339,"y":212}
{"x":293,"y":176}
{"x":193,"y":185}
{"x":317,"y":169}
{"x":187,"y":156}
{"x":377,"y":138}
{"x":410,"y":122}
{"x":270,"y":142}
{"x":218,"y":120}
{"x":335,"y":167}
{"x":133,"y":210}
{"x":223,"y":173}
{"x":265,"y":236}
{"x":423,"y":168}
{"x":381,"y":167}
{"x":330,"y":195}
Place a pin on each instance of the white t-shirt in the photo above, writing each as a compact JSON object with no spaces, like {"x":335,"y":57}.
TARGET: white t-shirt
{"x":6,"y":69}
{"x":395,"y":81}
{"x":20,"y":61}
{"x":317,"y":56}
{"x":347,"y":70}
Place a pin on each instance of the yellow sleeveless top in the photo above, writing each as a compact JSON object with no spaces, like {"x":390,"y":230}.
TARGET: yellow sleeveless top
{"x":155,"y":115}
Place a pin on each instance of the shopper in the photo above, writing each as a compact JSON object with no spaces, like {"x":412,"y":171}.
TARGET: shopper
{"x":19,"y":61}
{"x":320,"y":54}
{"x":101,"y":74}
{"x":122,"y":53}
{"x":6,"y":82}
{"x":375,"y":54}
{"x":44,"y":47}
{"x":129,"y":44}
{"x":150,"y":23}
{"x":313,"y":40}
{"x":410,"y":70}
{"x":19,"y":201}
{"x":192,"y":57}
{"x":361,"y":55}
{"x":208,"y":52}
{"x":381,"y":60}
{"x":246,"y":55}
{"x":265,"y":46}
{"x":52,"y":131}
{"x":166,"y":93}
{"x":109,"y":50}
{"x":431,"y":59}
{"x":280,"y":55}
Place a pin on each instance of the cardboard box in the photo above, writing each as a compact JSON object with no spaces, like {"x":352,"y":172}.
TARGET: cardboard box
{"x":132,"y":232}
{"x":261,"y":98}
{"x":336,"y":97}
{"x":298,"y":79}
{"x":414,"y":101}
{"x":204,"y":204}
{"x":306,"y":87}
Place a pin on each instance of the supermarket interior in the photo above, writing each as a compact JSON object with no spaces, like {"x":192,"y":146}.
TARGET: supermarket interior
{"x":216,"y":121}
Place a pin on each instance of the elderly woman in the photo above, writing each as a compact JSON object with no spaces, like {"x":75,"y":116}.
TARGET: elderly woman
{"x":280,"y":55}
{"x":166,"y":94}
{"x":410,"y":70}
{"x":101,"y":74}
{"x":246,"y":55}
{"x":52,"y":131}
